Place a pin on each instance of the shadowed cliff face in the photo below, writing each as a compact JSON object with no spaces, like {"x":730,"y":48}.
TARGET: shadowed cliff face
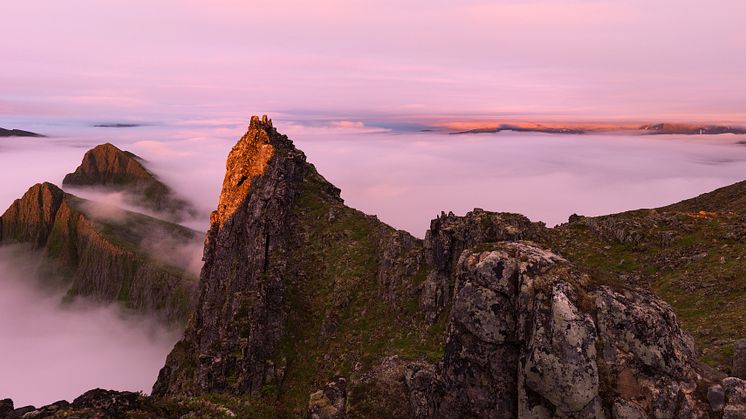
{"x":243,"y":275}
{"x":105,"y":257}
{"x":315,"y":308}
{"x":109,"y":168}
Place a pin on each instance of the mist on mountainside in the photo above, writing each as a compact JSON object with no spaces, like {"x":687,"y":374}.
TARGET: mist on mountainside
{"x":51,"y":351}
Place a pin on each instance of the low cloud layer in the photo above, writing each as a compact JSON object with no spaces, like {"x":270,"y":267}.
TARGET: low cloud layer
{"x":159,"y":242}
{"x":49,"y":352}
{"x":407,"y":179}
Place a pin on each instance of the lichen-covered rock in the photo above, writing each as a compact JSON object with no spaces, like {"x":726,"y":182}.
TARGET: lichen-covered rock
{"x":449,"y":235}
{"x":561,"y":362}
{"x":329,"y":402}
{"x":735,"y":398}
{"x":531,"y":337}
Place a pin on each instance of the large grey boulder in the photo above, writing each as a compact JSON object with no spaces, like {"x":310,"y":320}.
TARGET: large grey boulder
{"x":531,"y":337}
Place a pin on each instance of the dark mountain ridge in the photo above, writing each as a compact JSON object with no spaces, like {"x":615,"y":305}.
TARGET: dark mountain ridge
{"x":17,"y":133}
{"x":590,"y":128}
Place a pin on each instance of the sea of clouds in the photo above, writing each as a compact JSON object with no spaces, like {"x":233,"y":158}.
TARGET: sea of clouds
{"x":49,"y":352}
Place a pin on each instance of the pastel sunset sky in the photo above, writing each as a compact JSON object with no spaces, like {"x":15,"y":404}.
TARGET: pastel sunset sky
{"x":412,"y":61}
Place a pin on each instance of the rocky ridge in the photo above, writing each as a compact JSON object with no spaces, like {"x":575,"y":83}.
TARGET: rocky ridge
{"x":107,"y":167}
{"x":310,"y":308}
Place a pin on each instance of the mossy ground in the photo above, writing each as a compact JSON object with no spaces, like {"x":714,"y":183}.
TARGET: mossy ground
{"x":700,"y":270}
{"x":338,"y":322}
{"x":213,"y":405}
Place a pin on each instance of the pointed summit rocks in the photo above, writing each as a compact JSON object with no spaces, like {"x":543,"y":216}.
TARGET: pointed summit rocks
{"x":238,"y":323}
{"x":107,"y":167}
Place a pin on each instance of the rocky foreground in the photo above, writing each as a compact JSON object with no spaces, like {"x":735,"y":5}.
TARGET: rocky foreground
{"x":308,"y":308}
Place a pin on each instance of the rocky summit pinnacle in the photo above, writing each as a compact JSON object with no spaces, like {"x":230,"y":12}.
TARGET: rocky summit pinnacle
{"x":241,"y":308}
{"x":311,"y":308}
{"x":247,"y":160}
{"x":106,"y":166}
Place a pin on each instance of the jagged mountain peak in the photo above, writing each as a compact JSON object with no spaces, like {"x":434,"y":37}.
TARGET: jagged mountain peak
{"x":247,"y":160}
{"x":107,"y":166}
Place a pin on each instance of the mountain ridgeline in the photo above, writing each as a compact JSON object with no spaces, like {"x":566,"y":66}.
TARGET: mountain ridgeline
{"x":109,"y":168}
{"x":309,"y":308}
{"x":104,"y":253}
{"x":319,"y":309}
{"x":101,"y":256}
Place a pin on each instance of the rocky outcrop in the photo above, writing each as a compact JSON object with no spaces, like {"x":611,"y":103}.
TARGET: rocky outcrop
{"x":528,"y":333}
{"x":106,"y":166}
{"x":104,"y":258}
{"x":335,"y":314}
{"x":449,"y":235}
{"x":531,"y":337}
{"x":96,"y":403}
{"x":292,"y":276}
{"x":330,"y":402}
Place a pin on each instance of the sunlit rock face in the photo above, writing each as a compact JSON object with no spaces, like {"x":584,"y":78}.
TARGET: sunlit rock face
{"x":239,"y":319}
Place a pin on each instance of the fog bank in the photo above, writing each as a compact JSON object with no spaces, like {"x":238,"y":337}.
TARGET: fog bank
{"x":49,"y":352}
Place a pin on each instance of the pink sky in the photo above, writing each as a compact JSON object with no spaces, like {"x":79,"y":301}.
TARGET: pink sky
{"x":169,"y":59}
